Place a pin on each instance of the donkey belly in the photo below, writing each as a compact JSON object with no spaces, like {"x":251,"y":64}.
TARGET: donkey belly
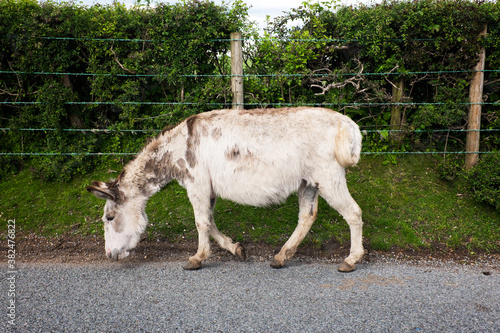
{"x":257,"y":184}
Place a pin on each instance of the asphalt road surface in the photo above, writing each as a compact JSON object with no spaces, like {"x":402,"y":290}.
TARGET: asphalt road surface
{"x":252,"y":297}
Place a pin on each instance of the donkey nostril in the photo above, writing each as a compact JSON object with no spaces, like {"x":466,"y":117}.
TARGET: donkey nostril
{"x":110,"y":218}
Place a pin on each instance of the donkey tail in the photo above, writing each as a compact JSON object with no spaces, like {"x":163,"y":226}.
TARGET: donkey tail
{"x":348,"y":143}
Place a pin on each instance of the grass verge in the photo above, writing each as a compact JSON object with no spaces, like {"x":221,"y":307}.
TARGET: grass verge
{"x":405,"y":205}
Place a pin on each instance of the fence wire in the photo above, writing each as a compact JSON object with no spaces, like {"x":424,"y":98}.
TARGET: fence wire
{"x":161,"y":76}
{"x":108,"y":131}
{"x":139,"y":40}
{"x":363,"y":152}
{"x":253,"y":75}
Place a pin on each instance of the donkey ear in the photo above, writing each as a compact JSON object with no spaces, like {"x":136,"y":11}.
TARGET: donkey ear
{"x":101,"y":192}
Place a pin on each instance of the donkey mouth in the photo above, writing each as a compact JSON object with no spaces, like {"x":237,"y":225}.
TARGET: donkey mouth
{"x":117,"y":254}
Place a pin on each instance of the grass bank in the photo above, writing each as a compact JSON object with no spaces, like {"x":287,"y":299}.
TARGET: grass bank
{"x":405,"y":205}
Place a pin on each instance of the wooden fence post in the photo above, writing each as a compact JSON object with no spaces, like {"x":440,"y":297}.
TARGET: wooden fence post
{"x":397,"y":96}
{"x":237,"y":70}
{"x":476,"y":98}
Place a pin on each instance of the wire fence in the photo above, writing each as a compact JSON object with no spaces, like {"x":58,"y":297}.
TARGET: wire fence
{"x":259,"y":104}
{"x":100,"y":130}
{"x":363,"y":152}
{"x":162,"y":76}
{"x":270,"y":39}
{"x":256,"y":75}
{"x":155,"y":131}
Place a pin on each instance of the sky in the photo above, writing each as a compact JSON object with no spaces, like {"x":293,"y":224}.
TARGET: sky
{"x":258,"y":11}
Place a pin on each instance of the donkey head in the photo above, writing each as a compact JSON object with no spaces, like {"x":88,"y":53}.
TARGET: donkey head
{"x":124,"y":216}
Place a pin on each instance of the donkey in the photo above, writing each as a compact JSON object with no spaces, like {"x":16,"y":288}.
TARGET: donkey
{"x":252,"y":157}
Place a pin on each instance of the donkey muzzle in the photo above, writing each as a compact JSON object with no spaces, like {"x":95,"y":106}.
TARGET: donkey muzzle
{"x":117,"y":254}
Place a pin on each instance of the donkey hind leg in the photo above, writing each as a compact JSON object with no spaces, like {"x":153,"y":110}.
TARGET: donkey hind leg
{"x":203,"y":212}
{"x":308,"y":204}
{"x":338,"y":197}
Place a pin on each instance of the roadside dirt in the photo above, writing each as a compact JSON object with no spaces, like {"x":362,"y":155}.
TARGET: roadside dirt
{"x":76,"y":249}
{"x":80,"y":250}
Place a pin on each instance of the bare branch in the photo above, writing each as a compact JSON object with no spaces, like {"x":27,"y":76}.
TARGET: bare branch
{"x":119,"y":64}
{"x":392,"y":70}
{"x":491,"y":82}
{"x":355,"y":81}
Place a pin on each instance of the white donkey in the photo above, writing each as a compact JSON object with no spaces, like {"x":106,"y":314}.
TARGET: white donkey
{"x":252,"y":157}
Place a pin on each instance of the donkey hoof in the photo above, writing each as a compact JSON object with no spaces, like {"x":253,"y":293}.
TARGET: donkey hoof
{"x":346,"y":267}
{"x":240,"y":251}
{"x":192,"y":265}
{"x":277,"y":264}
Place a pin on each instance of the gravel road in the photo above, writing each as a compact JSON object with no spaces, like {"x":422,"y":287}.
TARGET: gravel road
{"x":251,"y":297}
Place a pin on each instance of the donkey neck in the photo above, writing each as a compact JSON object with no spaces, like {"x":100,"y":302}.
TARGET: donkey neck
{"x":156,"y":166}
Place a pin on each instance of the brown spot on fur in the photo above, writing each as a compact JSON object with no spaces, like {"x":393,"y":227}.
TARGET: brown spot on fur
{"x":233,"y":153}
{"x":193,"y":140}
{"x":216,"y":133}
{"x":190,"y":124}
{"x":190,"y":158}
{"x":200,"y":129}
{"x":161,"y":171}
{"x":150,"y":166}
{"x":249,"y":155}
{"x":182,"y":170}
{"x":158,"y":172}
{"x":181,"y":163}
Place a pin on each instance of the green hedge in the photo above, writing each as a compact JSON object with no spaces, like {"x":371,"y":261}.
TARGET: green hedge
{"x":484,"y":180}
{"x":169,"y":42}
{"x":431,"y":44}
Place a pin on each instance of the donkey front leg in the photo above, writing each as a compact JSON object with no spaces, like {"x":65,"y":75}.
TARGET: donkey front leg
{"x":203,"y":212}
{"x":224,"y":242}
{"x":202,"y":216}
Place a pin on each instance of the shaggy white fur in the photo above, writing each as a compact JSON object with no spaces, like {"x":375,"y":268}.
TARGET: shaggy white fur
{"x":253,"y":157}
